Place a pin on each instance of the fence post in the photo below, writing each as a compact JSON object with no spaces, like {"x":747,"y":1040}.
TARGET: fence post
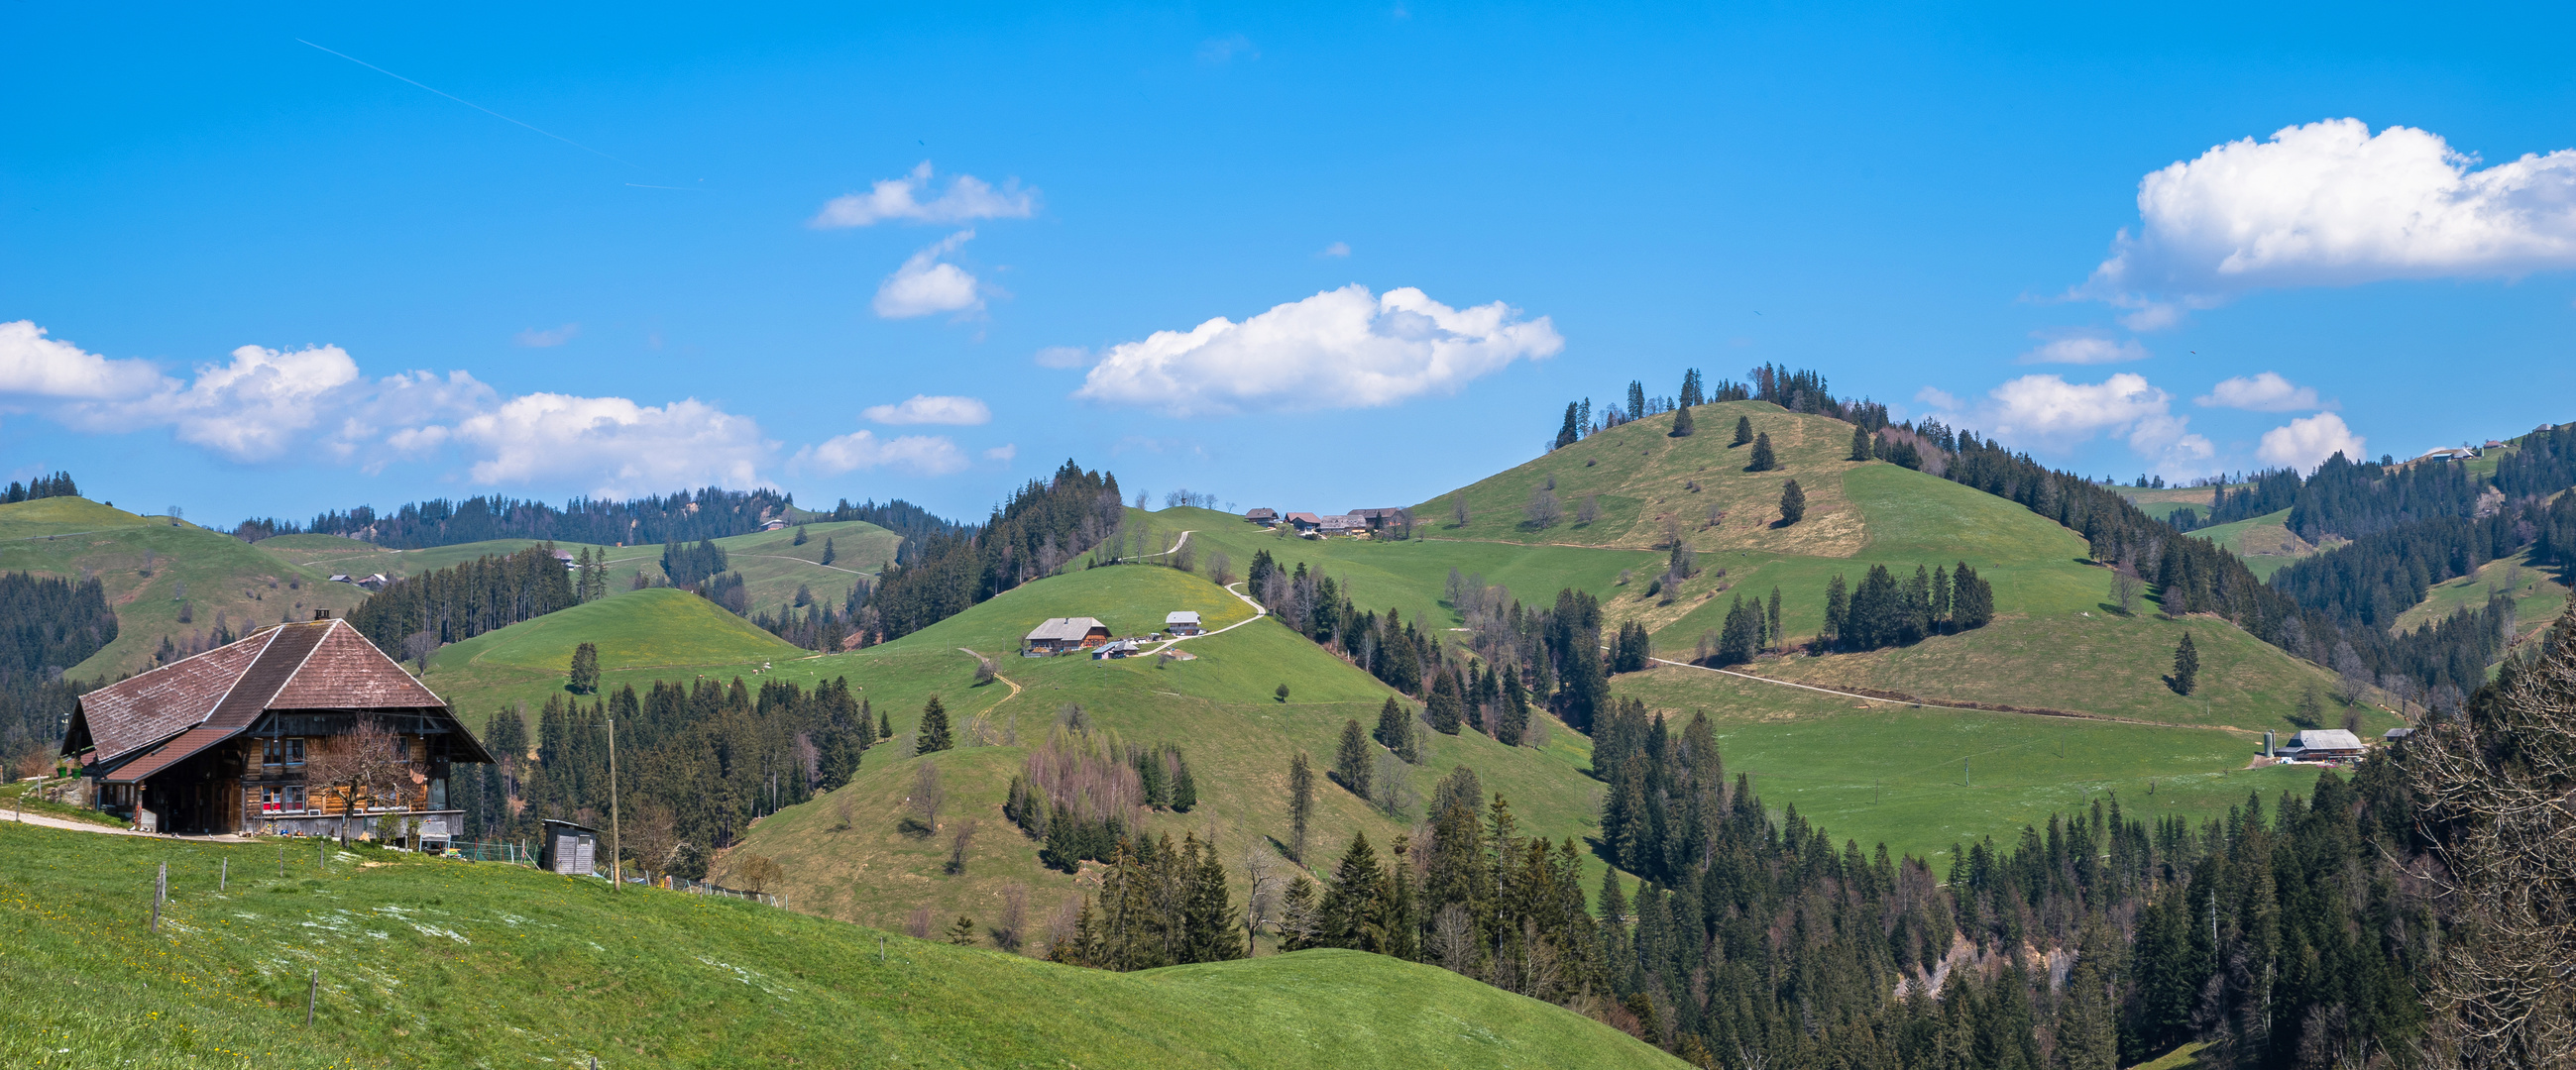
{"x":312,"y":995}
{"x":161,"y":886}
{"x":224,"y":880}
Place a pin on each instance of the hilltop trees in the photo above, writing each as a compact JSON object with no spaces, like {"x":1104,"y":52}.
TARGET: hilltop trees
{"x":1882,"y":611}
{"x":1572,"y":431}
{"x":688,"y":566}
{"x":1682,"y":422}
{"x":2186,"y":666}
{"x":1694,"y":389}
{"x":458,"y":603}
{"x":1763,"y":460}
{"x":1860,"y":450}
{"x":1793,"y":503}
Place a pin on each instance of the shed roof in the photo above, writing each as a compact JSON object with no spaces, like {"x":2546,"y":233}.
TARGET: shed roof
{"x":1304,"y":518}
{"x":2326,"y":739}
{"x":320,"y":665}
{"x":1181,"y":616}
{"x":1067,"y":629}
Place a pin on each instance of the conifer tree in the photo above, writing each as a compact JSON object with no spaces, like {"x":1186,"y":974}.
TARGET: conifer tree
{"x":931,"y":735}
{"x":1185,"y":788}
{"x":800,"y":536}
{"x":1447,"y":710}
{"x":1682,"y":422}
{"x":1566,"y":435}
{"x":1694,"y":390}
{"x":585,"y":669}
{"x":1636,"y":400}
{"x":885,"y":725}
{"x":1301,"y":806}
{"x":1351,"y":761}
{"x":1763,"y":460}
{"x":1774,"y":630}
{"x":1395,"y":730}
{"x":1514,"y":721}
{"x":829,"y":555}
{"x":1350,"y":915}
{"x":1743,"y":431}
{"x":1793,"y":503}
{"x":1860,"y":444}
{"x":1837,"y":610}
{"x":2186,"y":666}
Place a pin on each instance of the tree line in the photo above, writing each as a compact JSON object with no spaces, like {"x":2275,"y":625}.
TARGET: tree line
{"x":57,"y":485}
{"x":415,"y":615}
{"x":47,"y":625}
{"x":1042,"y":527}
{"x":707,"y":513}
{"x":697,"y":762}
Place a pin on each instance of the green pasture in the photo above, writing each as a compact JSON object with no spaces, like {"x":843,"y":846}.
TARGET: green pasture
{"x":439,"y":963}
{"x":1920,"y":780}
{"x":2538,"y":597}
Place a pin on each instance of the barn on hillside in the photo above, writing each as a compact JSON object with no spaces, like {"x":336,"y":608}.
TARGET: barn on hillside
{"x":224,"y":741}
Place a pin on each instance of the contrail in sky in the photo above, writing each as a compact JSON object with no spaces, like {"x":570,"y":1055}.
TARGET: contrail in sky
{"x":470,"y":104}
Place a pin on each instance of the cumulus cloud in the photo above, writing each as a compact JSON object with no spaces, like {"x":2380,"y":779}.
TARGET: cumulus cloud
{"x":2330,"y":203}
{"x":1339,"y":248}
{"x":2306,"y":442}
{"x":1002,"y":453}
{"x":617,"y":446}
{"x":34,"y":366}
{"x":2261,"y":392}
{"x":926,"y":409}
{"x":2085,"y":349}
{"x":1338,"y":349}
{"x":2047,"y":412}
{"x":314,"y":403}
{"x":925,"y":284}
{"x":900,"y":199}
{"x":928,"y":455}
{"x":533,"y":338}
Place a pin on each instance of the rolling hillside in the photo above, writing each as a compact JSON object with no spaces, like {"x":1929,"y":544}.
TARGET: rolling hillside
{"x":663,"y":631}
{"x":146,"y":563}
{"x":438,"y":963}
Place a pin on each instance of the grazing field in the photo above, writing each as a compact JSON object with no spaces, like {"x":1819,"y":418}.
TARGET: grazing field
{"x":1920,"y":780}
{"x":2265,"y":542}
{"x":844,"y":856}
{"x":154,"y":571}
{"x":437,"y":963}
{"x":2537,"y":596}
{"x":662,"y":631}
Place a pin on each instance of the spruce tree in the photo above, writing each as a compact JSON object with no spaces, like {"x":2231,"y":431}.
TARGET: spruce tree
{"x":1514,"y":722}
{"x":1837,"y":610}
{"x":1566,"y":435}
{"x":1301,"y":806}
{"x":828,"y":553}
{"x":800,"y":536}
{"x":1774,"y":630}
{"x":1763,"y":461}
{"x":1682,"y":422}
{"x":1185,"y":788}
{"x":1860,"y":444}
{"x":1395,"y":729}
{"x":885,"y":725}
{"x":585,"y":668}
{"x":1793,"y":503}
{"x":1743,"y":431}
{"x":1447,"y":710}
{"x":931,"y":735}
{"x":2186,"y":666}
{"x":1351,"y":761}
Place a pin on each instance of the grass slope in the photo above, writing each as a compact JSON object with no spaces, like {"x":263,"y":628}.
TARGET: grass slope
{"x":843,"y":856}
{"x":2538,"y":597}
{"x":2264,"y":542}
{"x":661,"y":631}
{"x":71,"y":537}
{"x":428,"y":962}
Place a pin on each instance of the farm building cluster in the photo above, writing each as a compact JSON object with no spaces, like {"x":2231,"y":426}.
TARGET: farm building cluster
{"x":1068,"y":635}
{"x":263,"y":735}
{"x":1359,"y":522}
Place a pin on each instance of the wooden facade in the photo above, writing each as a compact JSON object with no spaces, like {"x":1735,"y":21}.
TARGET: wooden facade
{"x":226,"y":741}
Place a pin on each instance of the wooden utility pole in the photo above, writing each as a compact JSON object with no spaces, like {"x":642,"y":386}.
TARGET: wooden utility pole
{"x":312,"y":994}
{"x":616,"y":832}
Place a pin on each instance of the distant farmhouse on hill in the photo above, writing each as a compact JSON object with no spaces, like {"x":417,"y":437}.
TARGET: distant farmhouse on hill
{"x":1266,"y":517}
{"x":229,"y":740}
{"x":1182,"y":622}
{"x":1060,"y":634}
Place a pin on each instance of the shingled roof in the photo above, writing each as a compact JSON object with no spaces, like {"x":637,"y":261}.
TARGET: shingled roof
{"x":321,"y":665}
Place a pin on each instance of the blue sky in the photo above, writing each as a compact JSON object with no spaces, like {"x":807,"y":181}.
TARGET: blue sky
{"x":662,"y":247}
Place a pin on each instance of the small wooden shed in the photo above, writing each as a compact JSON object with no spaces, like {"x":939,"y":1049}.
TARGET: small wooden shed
{"x":569,"y":849}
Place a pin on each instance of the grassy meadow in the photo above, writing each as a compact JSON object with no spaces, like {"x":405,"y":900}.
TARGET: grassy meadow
{"x":431,"y":962}
{"x":2538,"y":597}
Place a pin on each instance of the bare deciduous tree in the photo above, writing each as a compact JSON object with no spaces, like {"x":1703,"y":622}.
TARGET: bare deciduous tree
{"x":2495,"y":788}
{"x":370,"y":759}
{"x":1013,"y":929}
{"x":917,"y":924}
{"x":958,"y":845}
{"x":1590,"y":510}
{"x":1220,"y":568}
{"x":924,"y":802}
{"x":757,"y":873}
{"x":1458,"y":510}
{"x":2125,"y":587}
{"x":652,"y":836}
{"x":1543,"y":510}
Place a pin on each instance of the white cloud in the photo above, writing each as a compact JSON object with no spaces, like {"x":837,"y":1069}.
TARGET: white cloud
{"x":1338,"y":349}
{"x":926,"y":409}
{"x":967,"y":198}
{"x":2047,"y":412}
{"x":2306,"y":442}
{"x":1003,"y":453}
{"x":618,"y":447}
{"x":533,"y":338}
{"x":2330,"y":203}
{"x":32,"y":365}
{"x":252,"y":409}
{"x":1339,"y":248}
{"x":2085,"y":349}
{"x":1063,"y":357}
{"x":2262,"y":392}
{"x":929,"y":455}
{"x":925,"y":284}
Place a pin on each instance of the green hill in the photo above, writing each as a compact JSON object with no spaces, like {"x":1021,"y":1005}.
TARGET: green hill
{"x":843,"y":855}
{"x":155,"y":570}
{"x":2538,"y":598}
{"x":2264,"y":542}
{"x":427,"y":962}
{"x":661,"y":631}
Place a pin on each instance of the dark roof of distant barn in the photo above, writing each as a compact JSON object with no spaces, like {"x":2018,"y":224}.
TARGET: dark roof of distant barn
{"x":321,"y":665}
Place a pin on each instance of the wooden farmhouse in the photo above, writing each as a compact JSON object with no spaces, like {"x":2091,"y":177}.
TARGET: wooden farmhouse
{"x":1182,"y":622}
{"x":2323,"y":744}
{"x":1304,"y":521}
{"x":1060,"y":634}
{"x":1266,"y":517}
{"x":223,"y":741}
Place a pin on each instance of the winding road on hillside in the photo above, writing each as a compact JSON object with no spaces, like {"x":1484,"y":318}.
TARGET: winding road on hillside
{"x":1258,"y":611}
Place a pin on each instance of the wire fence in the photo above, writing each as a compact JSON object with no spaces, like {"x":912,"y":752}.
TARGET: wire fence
{"x":684,"y":884}
{"x":512,"y":853}
{"x":523,"y":855}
